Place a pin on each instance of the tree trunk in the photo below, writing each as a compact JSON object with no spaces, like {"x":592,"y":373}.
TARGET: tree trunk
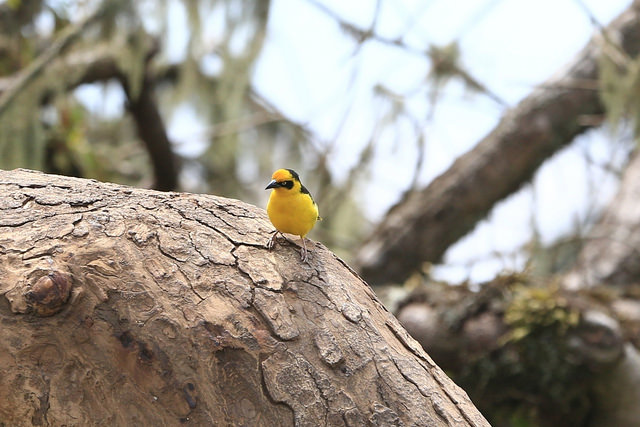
{"x":423,"y":225}
{"x":133,"y":307}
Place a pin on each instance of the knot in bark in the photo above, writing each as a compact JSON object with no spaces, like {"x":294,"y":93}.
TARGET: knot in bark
{"x":49,"y":294}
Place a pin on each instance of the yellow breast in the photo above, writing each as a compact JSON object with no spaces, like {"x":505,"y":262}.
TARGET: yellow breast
{"x":292,"y":212}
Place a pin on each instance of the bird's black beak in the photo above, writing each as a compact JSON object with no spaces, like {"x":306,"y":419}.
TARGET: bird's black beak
{"x":273,"y":184}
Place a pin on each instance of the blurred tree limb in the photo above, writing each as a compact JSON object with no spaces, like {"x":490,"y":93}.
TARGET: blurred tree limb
{"x":421,"y":226}
{"x":583,"y":325}
{"x":611,"y":254}
{"x":101,"y":64}
{"x":69,"y":36}
{"x":151,"y":129}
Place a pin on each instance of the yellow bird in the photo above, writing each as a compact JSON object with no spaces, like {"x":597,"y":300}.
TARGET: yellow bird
{"x":291,"y":208}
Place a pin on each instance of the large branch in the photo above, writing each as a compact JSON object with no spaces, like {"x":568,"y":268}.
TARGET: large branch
{"x":424,"y":224}
{"x":122,"y":306}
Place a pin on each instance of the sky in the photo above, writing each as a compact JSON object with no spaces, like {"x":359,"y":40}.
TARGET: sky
{"x":315,"y":73}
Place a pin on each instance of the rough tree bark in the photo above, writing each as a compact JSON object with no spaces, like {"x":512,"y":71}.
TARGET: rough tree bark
{"x":127,"y":307}
{"x":425,"y":223}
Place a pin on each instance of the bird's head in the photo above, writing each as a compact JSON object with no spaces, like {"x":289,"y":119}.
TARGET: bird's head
{"x":285,"y":179}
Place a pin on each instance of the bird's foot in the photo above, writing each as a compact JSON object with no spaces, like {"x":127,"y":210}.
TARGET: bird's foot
{"x":304,"y":253}
{"x":272,"y":240}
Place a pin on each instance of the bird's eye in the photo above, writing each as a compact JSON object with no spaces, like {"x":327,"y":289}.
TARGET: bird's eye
{"x":287,"y":184}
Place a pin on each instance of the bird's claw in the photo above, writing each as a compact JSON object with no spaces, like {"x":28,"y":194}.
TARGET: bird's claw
{"x":272,"y":240}
{"x":304,"y":252}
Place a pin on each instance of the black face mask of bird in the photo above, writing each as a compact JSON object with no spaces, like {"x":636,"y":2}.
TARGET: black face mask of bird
{"x":283,"y":184}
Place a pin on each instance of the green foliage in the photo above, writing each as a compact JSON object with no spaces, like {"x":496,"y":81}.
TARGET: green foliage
{"x":14,"y":4}
{"x":534,"y":309}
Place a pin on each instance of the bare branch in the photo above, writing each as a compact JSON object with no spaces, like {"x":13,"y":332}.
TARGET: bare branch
{"x":361,"y":35}
{"x":150,"y":126}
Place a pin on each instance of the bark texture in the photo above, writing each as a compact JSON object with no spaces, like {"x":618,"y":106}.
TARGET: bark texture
{"x":425,"y":223}
{"x":132,"y":307}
